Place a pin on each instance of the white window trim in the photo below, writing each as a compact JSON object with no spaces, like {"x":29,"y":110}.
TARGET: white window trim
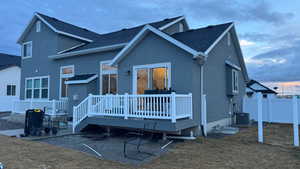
{"x":38,"y":26}
{"x":37,"y":77}
{"x":61,"y":76}
{"x":25,"y":43}
{"x":235,"y":79}
{"x":149,"y":66}
{"x":105,"y":73}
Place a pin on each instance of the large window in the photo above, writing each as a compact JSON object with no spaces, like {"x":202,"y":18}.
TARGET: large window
{"x":108,"y":76}
{"x":37,"y":88}
{"x":11,"y":90}
{"x":152,"y":77}
{"x":235,"y":81}
{"x":27,"y":50}
{"x":66,"y":72}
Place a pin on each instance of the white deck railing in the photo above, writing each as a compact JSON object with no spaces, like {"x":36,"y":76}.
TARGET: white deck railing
{"x":164,"y":106}
{"x":51,"y":107}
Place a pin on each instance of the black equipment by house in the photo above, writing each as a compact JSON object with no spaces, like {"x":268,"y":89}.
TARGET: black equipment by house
{"x":34,"y":122}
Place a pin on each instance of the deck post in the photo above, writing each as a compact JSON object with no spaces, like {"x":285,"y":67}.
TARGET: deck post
{"x":53,"y":107}
{"x":126,"y":109}
{"x":89,"y":109}
{"x":191,"y":104}
{"x":173,"y":107}
{"x":74,"y":119}
{"x":295,"y":121}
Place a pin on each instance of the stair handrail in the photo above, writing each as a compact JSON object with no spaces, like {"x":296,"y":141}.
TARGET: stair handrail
{"x":80,"y":112}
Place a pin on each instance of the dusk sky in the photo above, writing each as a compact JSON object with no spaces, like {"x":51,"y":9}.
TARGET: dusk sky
{"x":269,"y":31}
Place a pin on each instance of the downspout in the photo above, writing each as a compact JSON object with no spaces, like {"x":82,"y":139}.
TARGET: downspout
{"x":202,"y":125}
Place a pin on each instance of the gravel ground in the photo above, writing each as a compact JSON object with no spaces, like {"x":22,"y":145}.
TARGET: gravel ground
{"x":230,"y":152}
{"x":111,"y":148}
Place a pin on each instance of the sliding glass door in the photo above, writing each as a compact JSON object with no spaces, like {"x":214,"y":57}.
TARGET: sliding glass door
{"x":151,"y":77}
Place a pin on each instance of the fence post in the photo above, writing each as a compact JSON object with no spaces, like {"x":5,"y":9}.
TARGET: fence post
{"x":191,"y":104}
{"x":89,"y":109}
{"x":270,"y":110}
{"x":204,"y":115}
{"x":126,"y":106}
{"x":30,"y":103}
{"x":53,"y":107}
{"x":260,"y":117}
{"x":173,"y":104}
{"x":295,"y":121}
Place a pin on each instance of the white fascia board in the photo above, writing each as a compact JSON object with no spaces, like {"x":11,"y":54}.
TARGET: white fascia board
{"x":81,"y":81}
{"x":140,"y":36}
{"x":171,"y":23}
{"x":233,"y":65}
{"x":218,"y":40}
{"x":74,"y":47}
{"x":88,"y":51}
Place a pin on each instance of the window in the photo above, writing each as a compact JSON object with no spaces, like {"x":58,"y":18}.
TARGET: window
{"x":11,"y":90}
{"x":37,"y":88}
{"x":108,"y":77}
{"x":27,"y":50}
{"x":180,"y":27}
{"x":152,"y":77}
{"x":38,"y":26}
{"x":235,"y":81}
{"x":66,"y":72}
{"x":228,"y":39}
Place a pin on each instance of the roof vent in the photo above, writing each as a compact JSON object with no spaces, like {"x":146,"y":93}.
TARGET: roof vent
{"x":85,"y":29}
{"x":210,"y":26}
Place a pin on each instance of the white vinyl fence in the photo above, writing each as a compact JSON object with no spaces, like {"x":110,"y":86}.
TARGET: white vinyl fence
{"x":276,"y":110}
{"x":51,"y":107}
{"x":6,"y":103}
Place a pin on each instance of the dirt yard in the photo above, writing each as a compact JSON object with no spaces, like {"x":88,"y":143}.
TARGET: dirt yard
{"x":238,"y":151}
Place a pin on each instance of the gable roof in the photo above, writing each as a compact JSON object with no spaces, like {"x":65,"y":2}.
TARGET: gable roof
{"x":142,"y":34}
{"x":203,"y":38}
{"x":7,"y":61}
{"x":125,"y":35}
{"x":260,"y":87}
{"x":61,"y":27}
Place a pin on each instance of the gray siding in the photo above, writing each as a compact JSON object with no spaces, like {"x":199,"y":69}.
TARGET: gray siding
{"x":215,"y":82}
{"x":185,"y":72}
{"x":64,"y":42}
{"x":41,"y":65}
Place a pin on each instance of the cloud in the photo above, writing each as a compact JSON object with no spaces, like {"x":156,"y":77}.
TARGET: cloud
{"x":106,"y":16}
{"x":282,"y":64}
{"x":244,"y":42}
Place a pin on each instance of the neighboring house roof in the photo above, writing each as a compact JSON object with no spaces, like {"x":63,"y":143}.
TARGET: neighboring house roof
{"x":258,"y":87}
{"x":7,"y":61}
{"x":80,"y":79}
{"x":201,"y":39}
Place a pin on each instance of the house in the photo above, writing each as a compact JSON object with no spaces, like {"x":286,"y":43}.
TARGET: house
{"x":254,"y":86}
{"x":162,"y":73}
{"x":10,"y":77}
